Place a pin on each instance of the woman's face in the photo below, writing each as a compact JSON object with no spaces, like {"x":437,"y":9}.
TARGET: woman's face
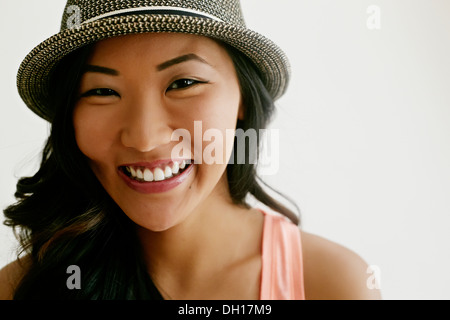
{"x":136,"y":91}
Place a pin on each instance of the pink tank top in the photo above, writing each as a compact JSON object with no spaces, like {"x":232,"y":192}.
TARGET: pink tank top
{"x":282,"y":263}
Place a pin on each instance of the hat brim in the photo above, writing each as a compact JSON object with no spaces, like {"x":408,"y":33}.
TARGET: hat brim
{"x":34,"y":72}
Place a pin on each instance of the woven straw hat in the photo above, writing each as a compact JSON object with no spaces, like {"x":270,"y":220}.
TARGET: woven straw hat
{"x":88,"y":21}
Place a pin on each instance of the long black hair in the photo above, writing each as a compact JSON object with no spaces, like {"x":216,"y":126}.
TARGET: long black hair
{"x":63,"y":216}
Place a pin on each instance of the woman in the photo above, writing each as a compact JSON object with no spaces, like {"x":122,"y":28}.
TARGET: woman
{"x":114,"y":197}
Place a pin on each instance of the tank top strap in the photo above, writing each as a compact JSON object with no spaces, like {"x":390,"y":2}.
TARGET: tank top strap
{"x":282,"y":261}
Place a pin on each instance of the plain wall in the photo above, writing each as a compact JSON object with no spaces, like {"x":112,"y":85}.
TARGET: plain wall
{"x":364,"y":134}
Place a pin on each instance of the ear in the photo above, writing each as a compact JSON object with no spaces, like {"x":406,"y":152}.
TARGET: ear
{"x":241,"y":111}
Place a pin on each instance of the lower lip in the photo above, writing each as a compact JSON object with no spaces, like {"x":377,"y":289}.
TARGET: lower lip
{"x":156,"y":186}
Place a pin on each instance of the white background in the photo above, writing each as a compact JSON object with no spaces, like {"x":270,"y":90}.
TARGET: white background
{"x":364,"y":126}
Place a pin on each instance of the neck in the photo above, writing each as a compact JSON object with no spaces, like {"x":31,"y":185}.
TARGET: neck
{"x":200,"y":246}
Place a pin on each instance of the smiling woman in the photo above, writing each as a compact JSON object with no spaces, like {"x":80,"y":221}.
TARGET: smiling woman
{"x":136,"y":113}
{"x":109,"y":197}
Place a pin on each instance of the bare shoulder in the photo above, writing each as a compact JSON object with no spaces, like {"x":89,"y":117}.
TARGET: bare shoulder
{"x":10,"y":276}
{"x":334,"y":272}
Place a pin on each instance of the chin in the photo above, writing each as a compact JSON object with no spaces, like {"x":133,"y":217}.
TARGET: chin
{"x":156,"y":222}
{"x":158,"y":226}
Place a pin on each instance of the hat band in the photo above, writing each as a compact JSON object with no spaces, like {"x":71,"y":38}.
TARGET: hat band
{"x":155,"y":10}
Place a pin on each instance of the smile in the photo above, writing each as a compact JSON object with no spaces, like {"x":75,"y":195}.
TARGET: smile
{"x":143,"y":174}
{"x":155,"y":178}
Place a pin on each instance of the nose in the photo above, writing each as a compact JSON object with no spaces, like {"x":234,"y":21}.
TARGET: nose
{"x":146,"y":125}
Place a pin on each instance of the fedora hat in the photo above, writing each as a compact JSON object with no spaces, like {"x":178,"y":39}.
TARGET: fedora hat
{"x":88,"y":21}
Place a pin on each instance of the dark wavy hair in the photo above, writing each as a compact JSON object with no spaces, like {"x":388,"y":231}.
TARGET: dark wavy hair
{"x":63,"y":216}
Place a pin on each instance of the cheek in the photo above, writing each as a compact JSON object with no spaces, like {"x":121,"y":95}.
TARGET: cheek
{"x":222,"y":117}
{"x":217,"y":108}
{"x":90,"y":132}
{"x":218,"y":124}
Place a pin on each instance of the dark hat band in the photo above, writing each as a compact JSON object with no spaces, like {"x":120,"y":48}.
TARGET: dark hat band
{"x":155,"y":10}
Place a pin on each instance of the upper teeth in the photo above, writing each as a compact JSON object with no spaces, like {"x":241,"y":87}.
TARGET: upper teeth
{"x":158,"y":174}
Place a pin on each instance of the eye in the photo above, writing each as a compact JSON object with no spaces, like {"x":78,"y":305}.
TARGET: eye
{"x":183,"y":84}
{"x":102,"y":92}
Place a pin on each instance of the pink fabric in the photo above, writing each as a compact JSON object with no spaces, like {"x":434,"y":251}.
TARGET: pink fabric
{"x":282,"y":262}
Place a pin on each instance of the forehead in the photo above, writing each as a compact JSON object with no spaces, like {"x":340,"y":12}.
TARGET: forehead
{"x":157,"y":47}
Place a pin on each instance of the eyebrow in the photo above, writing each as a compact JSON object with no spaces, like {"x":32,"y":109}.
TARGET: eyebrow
{"x":181,"y":59}
{"x":98,"y":69}
{"x":160,"y":67}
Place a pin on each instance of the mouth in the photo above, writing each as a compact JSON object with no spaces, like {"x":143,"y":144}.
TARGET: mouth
{"x":159,"y":173}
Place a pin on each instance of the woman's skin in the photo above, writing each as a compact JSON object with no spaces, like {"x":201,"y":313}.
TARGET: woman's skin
{"x":198,"y":244}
